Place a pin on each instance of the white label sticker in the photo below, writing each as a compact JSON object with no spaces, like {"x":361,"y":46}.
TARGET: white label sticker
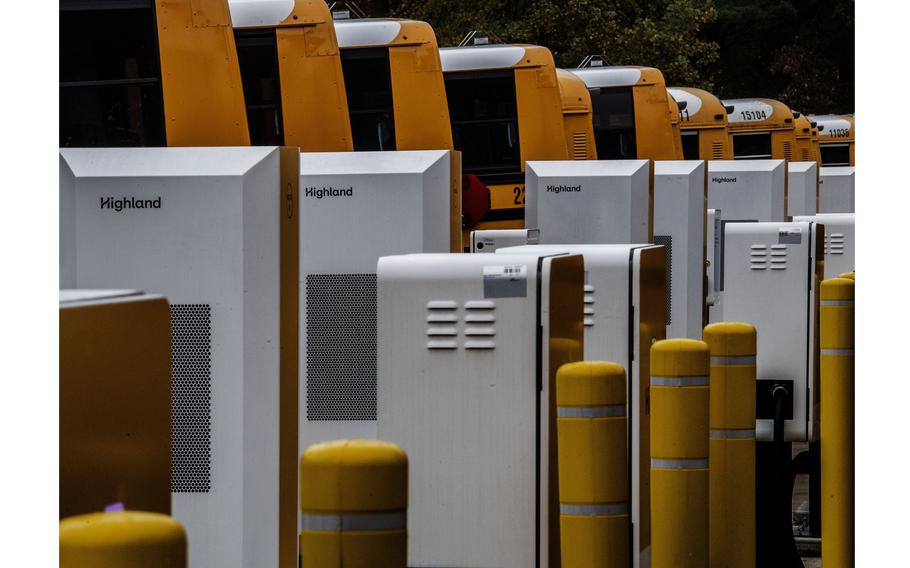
{"x":505,"y":281}
{"x":792,"y":236}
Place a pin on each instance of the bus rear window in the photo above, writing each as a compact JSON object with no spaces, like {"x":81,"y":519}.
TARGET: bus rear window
{"x":752,"y":146}
{"x":257,"y":54}
{"x":690,"y":144}
{"x":614,"y":123}
{"x":110,"y":77}
{"x":484,"y":114}
{"x":368,"y":84}
{"x":835,"y":154}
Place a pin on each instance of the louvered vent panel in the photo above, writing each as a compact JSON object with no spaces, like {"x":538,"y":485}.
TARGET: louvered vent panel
{"x":442,"y":320}
{"x":805,"y":156}
{"x":479,"y":319}
{"x":758,"y":257}
{"x":778,"y":257}
{"x":341,"y":347}
{"x":717,"y":150}
{"x":191,"y":398}
{"x":667,"y":242}
{"x":589,"y":305}
{"x":788,"y":151}
{"x":579,"y":146}
{"x":836,"y":243}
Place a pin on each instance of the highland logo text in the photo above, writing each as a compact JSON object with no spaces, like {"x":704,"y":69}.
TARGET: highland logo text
{"x":319,"y":193}
{"x":563,"y":188}
{"x":119,"y":204}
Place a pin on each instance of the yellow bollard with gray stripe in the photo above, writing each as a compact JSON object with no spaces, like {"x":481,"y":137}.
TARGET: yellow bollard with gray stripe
{"x":732,"y":445}
{"x":679,"y":453}
{"x":353,"y":503}
{"x":592,"y":440}
{"x":837,"y":419}
{"x":122,"y":539}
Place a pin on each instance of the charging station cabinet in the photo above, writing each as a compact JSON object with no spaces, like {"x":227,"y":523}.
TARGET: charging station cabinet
{"x":625,"y":313}
{"x":771,"y":277}
{"x":469,"y":345}
{"x":836,"y":189}
{"x":748,"y":189}
{"x":589,"y":202}
{"x":115,"y":401}
{"x":488,"y":240}
{"x":356,"y":207}
{"x":840,"y":241}
{"x":213,"y":230}
{"x":802,"y":188}
{"x":713,"y":235}
{"x":680,"y":190}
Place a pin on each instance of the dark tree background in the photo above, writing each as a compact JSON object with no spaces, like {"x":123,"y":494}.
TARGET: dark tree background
{"x":797,"y":51}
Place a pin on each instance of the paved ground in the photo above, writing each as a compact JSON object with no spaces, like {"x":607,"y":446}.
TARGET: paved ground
{"x":812,"y":562}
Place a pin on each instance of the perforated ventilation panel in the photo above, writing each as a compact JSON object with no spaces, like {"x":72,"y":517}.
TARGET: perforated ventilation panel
{"x":788,"y":151}
{"x":191,"y":398}
{"x":667,"y":242}
{"x":341,"y":347}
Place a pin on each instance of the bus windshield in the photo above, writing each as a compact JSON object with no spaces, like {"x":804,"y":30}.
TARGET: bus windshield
{"x":614,"y":123}
{"x":484,"y":114}
{"x":368,"y":83}
{"x":752,"y":146}
{"x":257,"y":54}
{"x":110,"y":78}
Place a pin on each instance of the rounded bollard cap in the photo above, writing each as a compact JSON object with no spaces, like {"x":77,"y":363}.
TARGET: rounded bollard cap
{"x":679,"y":358}
{"x":731,"y":339}
{"x":118,"y":532}
{"x":848,"y":275}
{"x":837,"y":289}
{"x":590,"y":383}
{"x":353,"y":476}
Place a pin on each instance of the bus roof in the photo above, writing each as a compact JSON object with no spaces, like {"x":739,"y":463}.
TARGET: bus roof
{"x":374,"y":32}
{"x":616,"y":76}
{"x":480,"y":57}
{"x":803,"y":126}
{"x":702,"y":109}
{"x":829,"y":123}
{"x":272,"y":13}
{"x":758,"y":114}
{"x":573,"y":92}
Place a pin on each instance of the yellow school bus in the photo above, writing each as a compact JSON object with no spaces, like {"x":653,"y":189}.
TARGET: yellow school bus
{"x":703,"y":124}
{"x":396,"y":96}
{"x":836,"y":139}
{"x":576,"y":115}
{"x":761,"y":129}
{"x":200,"y":73}
{"x":632,"y":113}
{"x":806,"y":133}
{"x":505,"y":108}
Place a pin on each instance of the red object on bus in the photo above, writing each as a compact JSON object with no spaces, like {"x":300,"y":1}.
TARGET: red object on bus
{"x":475,"y":199}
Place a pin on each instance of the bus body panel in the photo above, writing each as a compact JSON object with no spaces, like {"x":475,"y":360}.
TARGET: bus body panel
{"x":576,"y":114}
{"x":200,"y":74}
{"x":704,"y":116}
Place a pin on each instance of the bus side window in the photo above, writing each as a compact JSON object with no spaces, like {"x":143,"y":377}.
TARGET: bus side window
{"x":690,"y":144}
{"x":484,"y":113}
{"x":752,"y":146}
{"x":368,"y":84}
{"x":614,"y":123}
{"x":110,"y":75}
{"x":257,"y":54}
{"x":835,"y":154}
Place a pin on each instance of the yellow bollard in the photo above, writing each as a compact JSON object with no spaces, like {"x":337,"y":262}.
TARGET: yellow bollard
{"x":593,"y":465}
{"x":732,"y":445}
{"x":837,"y":418}
{"x":122,"y":539}
{"x":679,"y":454}
{"x":353,"y":502}
{"x":849,"y":275}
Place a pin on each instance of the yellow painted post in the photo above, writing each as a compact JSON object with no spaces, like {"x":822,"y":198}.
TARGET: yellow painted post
{"x":732,"y":445}
{"x":850,"y":275}
{"x":125,"y":539}
{"x":679,"y":454}
{"x":353,"y":502}
{"x":592,"y":442}
{"x":837,"y":418}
